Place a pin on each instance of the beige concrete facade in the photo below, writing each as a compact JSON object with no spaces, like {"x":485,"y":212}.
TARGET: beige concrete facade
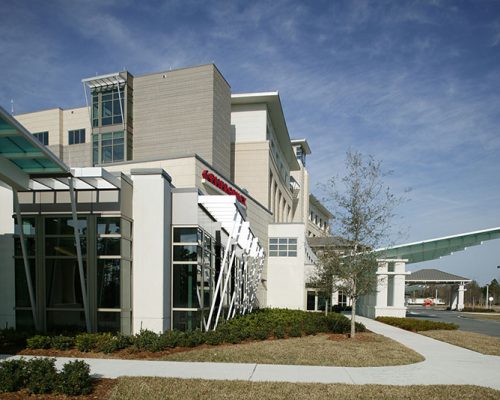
{"x":183,"y":112}
{"x":318,"y":224}
{"x":186,"y":121}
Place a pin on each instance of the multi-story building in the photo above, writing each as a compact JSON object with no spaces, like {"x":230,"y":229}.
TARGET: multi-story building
{"x":154,"y":159}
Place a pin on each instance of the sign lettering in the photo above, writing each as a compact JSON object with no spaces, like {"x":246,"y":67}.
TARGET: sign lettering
{"x":219,"y":183}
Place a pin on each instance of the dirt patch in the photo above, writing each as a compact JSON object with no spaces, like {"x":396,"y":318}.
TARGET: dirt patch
{"x":101,"y":390}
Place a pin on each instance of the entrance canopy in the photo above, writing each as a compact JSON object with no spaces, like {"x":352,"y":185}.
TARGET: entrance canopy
{"x":436,"y":248}
{"x":23,"y":157}
{"x":434,"y":276}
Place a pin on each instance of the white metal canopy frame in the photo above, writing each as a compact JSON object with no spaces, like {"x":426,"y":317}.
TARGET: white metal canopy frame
{"x":242,"y":244}
{"x":27,"y":165}
{"x":436,"y":248}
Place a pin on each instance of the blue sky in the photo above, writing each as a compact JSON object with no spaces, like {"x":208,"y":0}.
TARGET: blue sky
{"x":414,"y":83}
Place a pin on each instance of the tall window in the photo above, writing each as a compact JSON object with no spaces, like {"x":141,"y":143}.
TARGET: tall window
{"x":106,"y":107}
{"x":24,"y":314}
{"x":283,"y":247}
{"x":193,"y":277}
{"x":108,"y":147}
{"x":43,"y":137}
{"x":63,"y":292}
{"x":113,"y":260}
{"x":76,"y":136}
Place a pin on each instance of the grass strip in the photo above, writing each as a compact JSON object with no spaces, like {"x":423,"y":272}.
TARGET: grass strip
{"x":169,"y":388}
{"x":483,"y":344}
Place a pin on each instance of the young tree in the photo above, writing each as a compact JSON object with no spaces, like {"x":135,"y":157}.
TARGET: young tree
{"x":363,"y":210}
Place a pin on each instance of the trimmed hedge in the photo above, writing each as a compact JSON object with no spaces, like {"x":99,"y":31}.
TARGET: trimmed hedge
{"x":40,"y":376}
{"x":416,"y":325}
{"x":11,"y":337}
{"x":74,"y":379}
{"x":479,"y":309}
{"x":13,"y":375}
{"x":259,"y":325}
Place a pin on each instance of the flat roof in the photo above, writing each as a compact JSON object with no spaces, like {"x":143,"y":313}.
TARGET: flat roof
{"x":273,"y":102}
{"x":303,"y":143}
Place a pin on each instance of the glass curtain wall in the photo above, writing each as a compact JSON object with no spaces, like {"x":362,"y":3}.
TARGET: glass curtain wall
{"x":24,"y":314}
{"x":63,"y":300}
{"x":106,"y":253}
{"x":113,"y":269}
{"x":193,"y":277}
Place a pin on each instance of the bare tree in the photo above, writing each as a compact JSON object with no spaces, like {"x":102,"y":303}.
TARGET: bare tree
{"x":363,"y":209}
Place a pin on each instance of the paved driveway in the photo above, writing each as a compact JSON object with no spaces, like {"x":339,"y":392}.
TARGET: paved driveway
{"x":465,"y":321}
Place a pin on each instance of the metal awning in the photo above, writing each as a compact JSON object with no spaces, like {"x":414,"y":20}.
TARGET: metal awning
{"x":105,"y":81}
{"x":436,"y":248}
{"x":22,"y":156}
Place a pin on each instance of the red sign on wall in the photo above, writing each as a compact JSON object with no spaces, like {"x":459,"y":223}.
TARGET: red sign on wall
{"x":219,"y":183}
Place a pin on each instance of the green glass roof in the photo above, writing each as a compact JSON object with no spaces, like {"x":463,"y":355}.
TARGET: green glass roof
{"x":21,"y":148}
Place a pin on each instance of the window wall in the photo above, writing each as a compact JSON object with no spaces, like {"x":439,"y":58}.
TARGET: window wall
{"x":113,"y":271}
{"x":64,"y":300}
{"x":24,"y":314}
{"x":106,"y":253}
{"x":193,"y":276}
{"x":106,"y":107}
{"x":108,"y":147}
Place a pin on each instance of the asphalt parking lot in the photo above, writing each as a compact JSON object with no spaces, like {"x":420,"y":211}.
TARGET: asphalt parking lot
{"x":465,"y":321}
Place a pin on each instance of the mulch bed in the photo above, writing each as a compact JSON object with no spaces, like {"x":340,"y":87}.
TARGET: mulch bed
{"x":131,"y":354}
{"x":101,"y":390}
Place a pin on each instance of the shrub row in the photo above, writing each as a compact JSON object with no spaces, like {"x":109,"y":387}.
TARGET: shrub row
{"x":12,"y":337}
{"x":259,"y":325}
{"x":40,"y":376}
{"x":478,"y":309}
{"x":416,"y":325}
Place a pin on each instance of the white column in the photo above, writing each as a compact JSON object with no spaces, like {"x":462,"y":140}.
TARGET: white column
{"x":399,"y":284}
{"x":152,"y":210}
{"x":7,"y":277}
{"x":461,"y":290}
{"x":381,"y":298}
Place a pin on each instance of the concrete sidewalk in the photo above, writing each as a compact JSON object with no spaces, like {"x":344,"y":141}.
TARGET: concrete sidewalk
{"x":444,"y":364}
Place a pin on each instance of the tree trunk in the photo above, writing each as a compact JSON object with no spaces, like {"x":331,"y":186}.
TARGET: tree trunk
{"x":353,"y":321}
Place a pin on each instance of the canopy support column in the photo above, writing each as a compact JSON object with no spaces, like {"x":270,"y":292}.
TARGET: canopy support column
{"x":27,"y":270}
{"x":79,"y":254}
